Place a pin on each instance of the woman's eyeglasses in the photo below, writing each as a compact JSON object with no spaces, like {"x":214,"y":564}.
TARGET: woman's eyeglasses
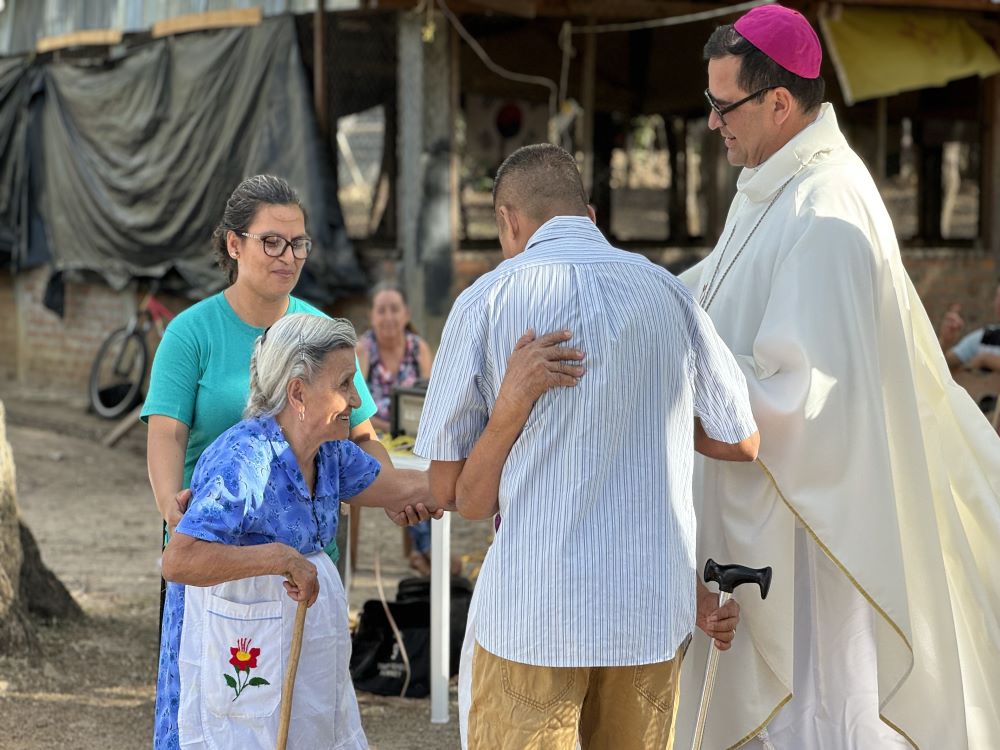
{"x":275,"y":245}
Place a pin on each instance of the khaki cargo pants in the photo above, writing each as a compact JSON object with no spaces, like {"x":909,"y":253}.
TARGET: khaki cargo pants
{"x":522,"y":707}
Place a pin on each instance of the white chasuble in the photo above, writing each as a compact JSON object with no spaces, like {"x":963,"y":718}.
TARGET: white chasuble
{"x":875,"y":498}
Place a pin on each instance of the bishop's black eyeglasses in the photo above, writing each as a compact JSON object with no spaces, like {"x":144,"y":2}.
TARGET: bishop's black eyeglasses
{"x":724,"y":109}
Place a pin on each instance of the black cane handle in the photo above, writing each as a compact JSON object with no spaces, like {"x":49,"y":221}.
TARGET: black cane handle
{"x":730,"y":576}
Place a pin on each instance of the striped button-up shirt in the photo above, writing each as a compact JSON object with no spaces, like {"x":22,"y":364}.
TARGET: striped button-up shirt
{"x":594,"y":562}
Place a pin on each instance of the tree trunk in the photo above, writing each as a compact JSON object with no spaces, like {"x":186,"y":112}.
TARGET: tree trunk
{"x":27,"y":587}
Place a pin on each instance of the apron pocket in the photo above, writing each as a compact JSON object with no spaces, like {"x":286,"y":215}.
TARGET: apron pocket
{"x":242,"y":658}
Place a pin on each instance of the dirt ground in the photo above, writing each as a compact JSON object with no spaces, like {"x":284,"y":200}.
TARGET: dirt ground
{"x":91,"y":510}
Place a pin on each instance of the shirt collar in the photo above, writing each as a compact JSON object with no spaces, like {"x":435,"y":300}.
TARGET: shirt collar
{"x":563,"y":227}
{"x":821,"y":136}
{"x":285,"y":458}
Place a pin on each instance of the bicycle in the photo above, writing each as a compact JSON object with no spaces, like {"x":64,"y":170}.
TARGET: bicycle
{"x":119,"y":368}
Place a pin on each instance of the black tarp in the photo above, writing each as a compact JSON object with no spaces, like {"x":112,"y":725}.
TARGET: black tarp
{"x":17,"y":79}
{"x":138,"y":156}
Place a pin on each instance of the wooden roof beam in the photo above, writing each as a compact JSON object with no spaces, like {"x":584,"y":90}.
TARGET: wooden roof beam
{"x":985,"y":6}
{"x":519,"y":8}
{"x":600,"y":10}
{"x":82,"y":38}
{"x":625,"y":9}
{"x":212,"y":19}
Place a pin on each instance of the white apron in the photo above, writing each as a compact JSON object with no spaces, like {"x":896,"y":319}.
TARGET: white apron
{"x":222,"y":708}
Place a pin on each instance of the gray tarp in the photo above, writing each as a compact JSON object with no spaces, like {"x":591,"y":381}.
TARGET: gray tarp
{"x":16,"y":79}
{"x":139,"y":155}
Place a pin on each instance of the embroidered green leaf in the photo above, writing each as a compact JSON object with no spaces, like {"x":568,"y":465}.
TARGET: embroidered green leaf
{"x":258,"y":681}
{"x":230,"y":681}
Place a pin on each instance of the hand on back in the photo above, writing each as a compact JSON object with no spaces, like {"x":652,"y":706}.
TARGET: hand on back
{"x":538,"y":364}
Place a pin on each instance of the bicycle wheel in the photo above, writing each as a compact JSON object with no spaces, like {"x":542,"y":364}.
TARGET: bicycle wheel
{"x":117,"y":373}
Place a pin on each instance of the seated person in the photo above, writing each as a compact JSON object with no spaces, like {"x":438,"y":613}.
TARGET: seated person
{"x":392,"y":355}
{"x":978,"y":350}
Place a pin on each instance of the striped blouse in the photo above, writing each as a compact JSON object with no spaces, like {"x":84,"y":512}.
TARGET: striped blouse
{"x":594,"y":563}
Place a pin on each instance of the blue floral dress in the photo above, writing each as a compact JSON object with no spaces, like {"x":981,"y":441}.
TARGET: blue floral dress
{"x":247,"y":489}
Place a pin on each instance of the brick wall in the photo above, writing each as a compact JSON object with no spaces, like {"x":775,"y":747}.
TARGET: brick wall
{"x":56,"y":353}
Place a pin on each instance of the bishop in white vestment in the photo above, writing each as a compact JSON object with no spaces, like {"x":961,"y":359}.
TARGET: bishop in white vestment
{"x":876,"y":498}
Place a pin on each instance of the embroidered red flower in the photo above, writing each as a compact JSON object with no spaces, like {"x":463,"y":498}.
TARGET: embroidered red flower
{"x":244,"y":658}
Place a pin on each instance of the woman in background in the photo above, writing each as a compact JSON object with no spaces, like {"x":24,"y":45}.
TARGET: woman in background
{"x":392,"y":355}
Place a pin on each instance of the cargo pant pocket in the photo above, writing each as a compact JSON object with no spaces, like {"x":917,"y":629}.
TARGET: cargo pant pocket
{"x":538,"y":687}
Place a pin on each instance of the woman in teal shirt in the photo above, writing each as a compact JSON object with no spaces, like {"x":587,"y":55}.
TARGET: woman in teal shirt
{"x":200,"y":378}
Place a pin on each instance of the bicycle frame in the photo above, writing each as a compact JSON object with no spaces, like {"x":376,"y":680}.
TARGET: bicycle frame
{"x":150,"y":313}
{"x":158,"y":312}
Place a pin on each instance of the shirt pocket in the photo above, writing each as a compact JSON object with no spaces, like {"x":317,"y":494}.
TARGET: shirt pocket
{"x":242,"y":658}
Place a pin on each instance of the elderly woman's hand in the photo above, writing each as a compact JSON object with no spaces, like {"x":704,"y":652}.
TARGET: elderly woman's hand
{"x":412,"y":514}
{"x":301,"y":582}
{"x":537,"y":364}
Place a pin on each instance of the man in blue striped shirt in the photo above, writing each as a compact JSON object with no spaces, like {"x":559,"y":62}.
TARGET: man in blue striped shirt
{"x":588,"y":595}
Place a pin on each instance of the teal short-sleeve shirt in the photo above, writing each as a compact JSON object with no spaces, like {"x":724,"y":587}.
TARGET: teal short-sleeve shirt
{"x":201,"y":373}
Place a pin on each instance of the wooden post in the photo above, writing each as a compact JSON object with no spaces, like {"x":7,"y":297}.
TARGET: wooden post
{"x":605,"y":130}
{"x":881,"y":139}
{"x":425,"y":184}
{"x":319,"y":71}
{"x":455,"y":166}
{"x":676,"y":128}
{"x":588,"y":94}
{"x":929,"y":191}
{"x":989,"y":182}
{"x":410,"y":131}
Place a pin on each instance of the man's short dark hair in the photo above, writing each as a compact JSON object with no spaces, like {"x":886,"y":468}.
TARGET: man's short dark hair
{"x":758,"y":71}
{"x":542,"y":180}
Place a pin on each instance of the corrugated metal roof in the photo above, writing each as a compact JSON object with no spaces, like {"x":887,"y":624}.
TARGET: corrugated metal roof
{"x":24,"y":22}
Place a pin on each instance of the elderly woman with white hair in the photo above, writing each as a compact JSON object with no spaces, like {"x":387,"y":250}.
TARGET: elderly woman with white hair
{"x":265,"y":501}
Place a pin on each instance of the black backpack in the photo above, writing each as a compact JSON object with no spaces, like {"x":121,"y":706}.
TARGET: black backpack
{"x":377,"y":664}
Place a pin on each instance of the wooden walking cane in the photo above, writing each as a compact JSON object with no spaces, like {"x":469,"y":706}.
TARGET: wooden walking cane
{"x":289,"y":684}
{"x":728,"y":577}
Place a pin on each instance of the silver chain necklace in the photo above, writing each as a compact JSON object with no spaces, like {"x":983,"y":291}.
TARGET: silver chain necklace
{"x":705,"y":299}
